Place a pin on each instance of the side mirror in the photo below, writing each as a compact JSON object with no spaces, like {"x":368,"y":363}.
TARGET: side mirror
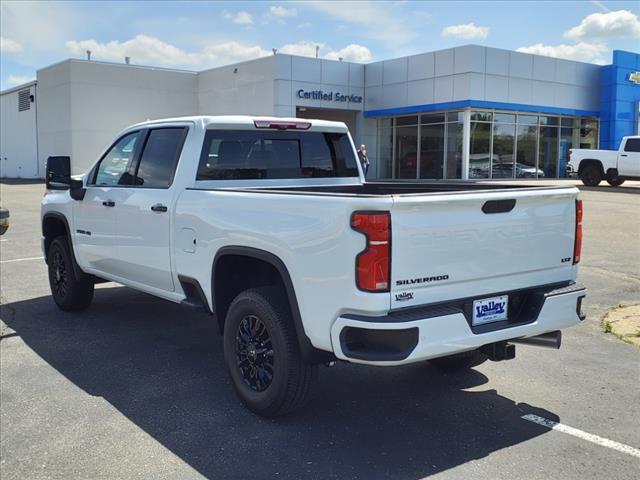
{"x":77,"y":189}
{"x":58,"y":176}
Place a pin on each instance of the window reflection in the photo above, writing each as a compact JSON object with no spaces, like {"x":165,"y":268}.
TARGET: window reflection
{"x":480,"y":150}
{"x":501,"y":144}
{"x":407,"y":152}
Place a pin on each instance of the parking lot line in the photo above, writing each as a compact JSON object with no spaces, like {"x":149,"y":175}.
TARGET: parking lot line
{"x":590,"y":437}
{"x":21,"y":259}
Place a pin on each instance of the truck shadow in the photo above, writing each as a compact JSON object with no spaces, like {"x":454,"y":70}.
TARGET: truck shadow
{"x":162,"y":367}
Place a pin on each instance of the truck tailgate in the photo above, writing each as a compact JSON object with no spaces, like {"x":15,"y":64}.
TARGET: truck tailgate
{"x":452,"y":246}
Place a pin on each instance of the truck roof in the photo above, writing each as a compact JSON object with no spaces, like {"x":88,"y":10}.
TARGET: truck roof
{"x":245,"y":121}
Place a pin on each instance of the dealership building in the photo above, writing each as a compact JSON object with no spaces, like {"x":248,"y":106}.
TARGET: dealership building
{"x":466,"y":112}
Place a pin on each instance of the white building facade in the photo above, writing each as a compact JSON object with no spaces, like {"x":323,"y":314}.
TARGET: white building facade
{"x":466,"y":112}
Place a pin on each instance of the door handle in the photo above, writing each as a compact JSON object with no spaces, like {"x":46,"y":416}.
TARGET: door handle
{"x":623,"y":154}
{"x":109,"y":203}
{"x":158,"y":207}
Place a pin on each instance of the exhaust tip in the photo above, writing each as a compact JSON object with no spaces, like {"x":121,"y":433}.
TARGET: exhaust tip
{"x":546,"y":340}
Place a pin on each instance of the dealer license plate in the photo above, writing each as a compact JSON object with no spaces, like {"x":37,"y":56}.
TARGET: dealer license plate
{"x":489,"y":310}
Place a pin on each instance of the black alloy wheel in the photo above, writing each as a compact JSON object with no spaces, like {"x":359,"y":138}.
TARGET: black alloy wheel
{"x":72,"y":292}
{"x":591,"y":176}
{"x":262,"y":353}
{"x":254,"y":353}
{"x":60,"y":273}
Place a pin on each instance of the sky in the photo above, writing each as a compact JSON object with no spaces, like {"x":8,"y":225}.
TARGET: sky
{"x":200,"y":35}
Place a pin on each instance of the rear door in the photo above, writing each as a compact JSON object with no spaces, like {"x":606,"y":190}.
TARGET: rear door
{"x":452,"y":246}
{"x":629,"y":162}
{"x":143,"y":215}
{"x":95,"y":214}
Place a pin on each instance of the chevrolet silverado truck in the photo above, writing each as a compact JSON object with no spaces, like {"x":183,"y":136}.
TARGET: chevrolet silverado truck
{"x":592,"y":166}
{"x":267,"y":225}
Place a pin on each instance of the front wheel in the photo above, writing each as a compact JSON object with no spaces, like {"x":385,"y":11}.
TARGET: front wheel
{"x":460,"y":361}
{"x":262,"y":354}
{"x":591,"y":176}
{"x":615,"y":181}
{"x":70,"y":293}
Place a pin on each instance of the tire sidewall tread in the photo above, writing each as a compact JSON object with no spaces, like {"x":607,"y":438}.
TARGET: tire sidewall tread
{"x":293,"y":378}
{"x":80,"y":291}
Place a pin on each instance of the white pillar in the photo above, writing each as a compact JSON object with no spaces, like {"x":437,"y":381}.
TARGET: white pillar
{"x":466,"y":142}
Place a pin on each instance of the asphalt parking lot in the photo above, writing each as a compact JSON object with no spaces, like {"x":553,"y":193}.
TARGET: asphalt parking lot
{"x":135,"y":387}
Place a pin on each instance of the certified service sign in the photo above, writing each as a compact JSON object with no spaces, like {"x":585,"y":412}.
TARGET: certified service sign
{"x":634,"y":77}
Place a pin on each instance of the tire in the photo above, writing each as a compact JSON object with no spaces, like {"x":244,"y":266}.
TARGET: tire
{"x":70,"y":293}
{"x":591,"y":176}
{"x":262,"y":353}
{"x":460,"y":361}
{"x":615,"y":181}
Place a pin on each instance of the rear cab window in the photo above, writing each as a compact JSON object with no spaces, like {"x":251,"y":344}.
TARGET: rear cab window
{"x":252,"y":154}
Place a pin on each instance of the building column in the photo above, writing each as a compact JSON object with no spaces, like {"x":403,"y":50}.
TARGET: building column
{"x":466,"y":142}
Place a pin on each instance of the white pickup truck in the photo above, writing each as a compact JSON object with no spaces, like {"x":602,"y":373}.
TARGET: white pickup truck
{"x":267,"y":225}
{"x":592,"y":166}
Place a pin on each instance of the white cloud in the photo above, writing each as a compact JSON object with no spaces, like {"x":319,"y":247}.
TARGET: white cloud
{"x":303,"y":48}
{"x":465,"y":30}
{"x":306,"y":48}
{"x":144,"y":49}
{"x":241,"y":18}
{"x":305,"y":25}
{"x":8,"y":45}
{"x":20,"y":79}
{"x":351,"y":53}
{"x":621,"y":23}
{"x":280,"y":11}
{"x":582,"y":51}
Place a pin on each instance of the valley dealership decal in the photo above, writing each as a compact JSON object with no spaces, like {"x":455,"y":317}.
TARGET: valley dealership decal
{"x":328,"y":96}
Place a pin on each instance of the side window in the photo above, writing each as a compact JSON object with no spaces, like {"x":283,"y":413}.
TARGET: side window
{"x":112,"y":169}
{"x":160,"y":157}
{"x":632,"y":145}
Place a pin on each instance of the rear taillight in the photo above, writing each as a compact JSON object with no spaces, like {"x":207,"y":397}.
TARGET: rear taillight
{"x":577,"y":246}
{"x":373,"y":264}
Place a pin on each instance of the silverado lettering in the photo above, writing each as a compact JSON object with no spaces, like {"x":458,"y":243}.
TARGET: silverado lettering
{"x":413,"y":281}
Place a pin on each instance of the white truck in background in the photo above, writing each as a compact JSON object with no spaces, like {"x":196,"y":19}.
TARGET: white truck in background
{"x":267,"y":225}
{"x":614,"y":166}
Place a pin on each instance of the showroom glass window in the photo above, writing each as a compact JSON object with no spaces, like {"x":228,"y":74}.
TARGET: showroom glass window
{"x":504,"y":136}
{"x":480,"y":147}
{"x":427,"y":146}
{"x":501,"y":145}
{"x":406,"y":151}
{"x":526,"y":146}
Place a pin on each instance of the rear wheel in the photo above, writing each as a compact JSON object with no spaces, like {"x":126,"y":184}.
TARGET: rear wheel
{"x":591,"y":176}
{"x":262,"y":354}
{"x":460,"y":361}
{"x":70,"y":293}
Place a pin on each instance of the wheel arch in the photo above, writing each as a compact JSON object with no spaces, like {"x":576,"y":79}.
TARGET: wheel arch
{"x":263,"y":264}
{"x":55,"y":224}
{"x":587,"y":162}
